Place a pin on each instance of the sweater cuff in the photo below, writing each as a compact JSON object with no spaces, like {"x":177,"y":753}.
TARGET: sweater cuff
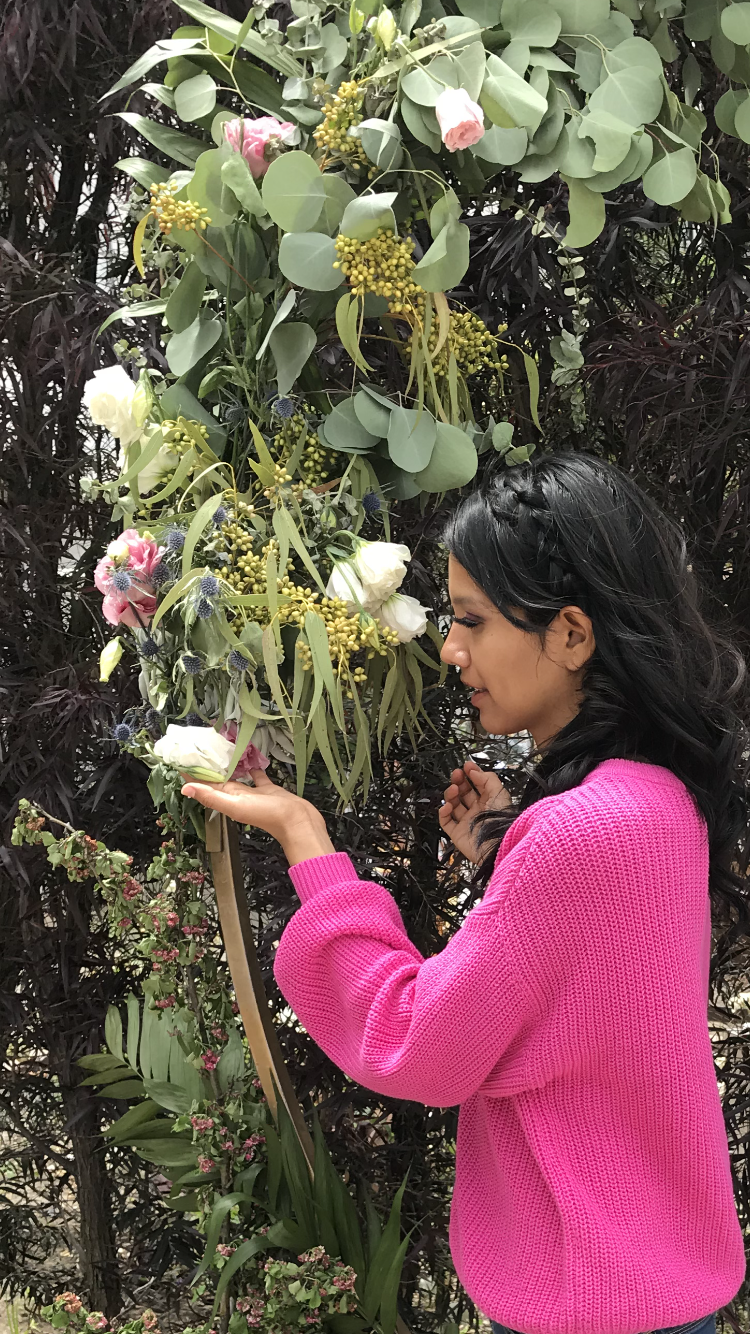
{"x":316,"y":873}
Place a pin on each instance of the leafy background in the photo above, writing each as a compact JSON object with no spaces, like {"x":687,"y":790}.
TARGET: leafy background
{"x":662,"y":390}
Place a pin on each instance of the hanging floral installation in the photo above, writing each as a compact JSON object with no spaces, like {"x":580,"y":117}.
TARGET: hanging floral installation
{"x":305,"y":247}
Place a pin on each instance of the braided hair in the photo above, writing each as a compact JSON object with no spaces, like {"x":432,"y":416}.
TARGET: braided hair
{"x":663,"y":684}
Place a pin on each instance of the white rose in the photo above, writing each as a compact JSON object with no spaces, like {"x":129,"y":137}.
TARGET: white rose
{"x":109,"y":398}
{"x":344,"y":584}
{"x":199,"y":749}
{"x":404,"y":615}
{"x":381,"y":567}
{"x":149,"y":476}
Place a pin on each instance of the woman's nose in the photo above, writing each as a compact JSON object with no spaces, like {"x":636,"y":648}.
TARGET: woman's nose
{"x":452,"y":653}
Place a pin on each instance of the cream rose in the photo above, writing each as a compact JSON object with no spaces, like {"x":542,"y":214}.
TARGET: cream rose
{"x":109,"y":396}
{"x":381,"y":567}
{"x":345,"y":584}
{"x":149,"y":476}
{"x":199,"y":750}
{"x":461,"y":121}
{"x":404,"y":615}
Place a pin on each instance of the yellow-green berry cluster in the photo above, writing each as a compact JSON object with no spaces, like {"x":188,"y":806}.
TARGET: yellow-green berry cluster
{"x":169,"y":212}
{"x":316,"y":463}
{"x":381,"y":265}
{"x":347,"y":634}
{"x":341,"y":113}
{"x":178,"y":437}
{"x":471,"y":342}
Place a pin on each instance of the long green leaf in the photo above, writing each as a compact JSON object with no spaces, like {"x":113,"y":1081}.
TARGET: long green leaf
{"x":297,"y":1175}
{"x":391,"y":681}
{"x":134,"y":1029}
{"x":389,"y":1300}
{"x":286,"y":524}
{"x":323,"y":1194}
{"x":273,"y":1153}
{"x":197,"y":526}
{"x":138,"y":310}
{"x":275,"y":56}
{"x":272,"y":671}
{"x":100,"y":1061}
{"x":317,"y":638}
{"x":213,"y":1230}
{"x":131,"y":1119}
{"x":384,"y":1256}
{"x":322,"y":740}
{"x":182,"y":147}
{"x":532,"y":375}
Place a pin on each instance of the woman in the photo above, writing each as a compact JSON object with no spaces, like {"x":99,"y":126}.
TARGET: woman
{"x":567,"y":1016}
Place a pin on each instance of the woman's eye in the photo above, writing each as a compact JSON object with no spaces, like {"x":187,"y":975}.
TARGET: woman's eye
{"x":463,"y":620}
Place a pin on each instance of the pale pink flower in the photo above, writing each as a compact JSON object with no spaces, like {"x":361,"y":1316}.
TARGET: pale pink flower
{"x":143,"y":555}
{"x":250,"y":137}
{"x":251,"y":758}
{"x":206,"y":1164}
{"x":461,"y":121}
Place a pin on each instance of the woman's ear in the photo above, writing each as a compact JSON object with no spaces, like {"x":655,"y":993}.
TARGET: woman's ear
{"x":578,"y":642}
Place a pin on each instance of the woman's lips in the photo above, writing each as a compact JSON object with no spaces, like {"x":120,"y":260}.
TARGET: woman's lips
{"x":476,"y":695}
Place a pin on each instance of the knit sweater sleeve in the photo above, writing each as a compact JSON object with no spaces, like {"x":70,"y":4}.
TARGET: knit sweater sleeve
{"x":425,"y":1029}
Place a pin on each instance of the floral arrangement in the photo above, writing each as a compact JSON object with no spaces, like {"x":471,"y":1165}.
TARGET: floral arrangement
{"x":305,"y":248}
{"x":195,"y":1110}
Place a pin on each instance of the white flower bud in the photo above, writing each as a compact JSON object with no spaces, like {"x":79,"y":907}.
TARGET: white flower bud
{"x":404,"y":615}
{"x":381,"y":567}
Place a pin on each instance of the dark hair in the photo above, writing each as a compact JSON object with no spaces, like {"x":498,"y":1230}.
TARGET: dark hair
{"x":662,"y":684}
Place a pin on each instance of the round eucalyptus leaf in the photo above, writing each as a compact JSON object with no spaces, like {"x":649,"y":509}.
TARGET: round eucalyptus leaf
{"x":504,"y":146}
{"x":576,"y":155}
{"x":633,"y":94}
{"x":742,"y":121}
{"x":735,"y":23}
{"x":415,"y":119}
{"x":726,"y":108}
{"x":344,"y":431}
{"x":195,"y":98}
{"x":453,"y":463}
{"x":580,"y":17}
{"x":366,"y":214}
{"x":206,"y":188}
{"x":671,"y":177}
{"x":631,"y":53}
{"x":307,"y":258}
{"x":532,"y":21}
{"x":293,"y":191}
{"x":419,"y":85}
{"x":185,"y":349}
{"x":374,"y":416}
{"x":411,"y":438}
{"x":484,"y":12}
{"x":291,"y":346}
{"x":394,"y":482}
{"x":337,"y":195}
{"x":185,"y":302}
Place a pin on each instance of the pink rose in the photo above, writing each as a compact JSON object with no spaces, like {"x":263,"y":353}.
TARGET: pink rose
{"x":135,"y":557}
{"x":249,"y":137}
{"x":252,"y":758}
{"x":461,"y":121}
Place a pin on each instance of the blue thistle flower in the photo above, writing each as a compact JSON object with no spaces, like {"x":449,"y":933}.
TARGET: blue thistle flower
{"x":151,"y":720}
{"x":371,"y":502}
{"x":284,"y":407}
{"x":194,"y":720}
{"x":122,"y":732}
{"x":237,"y":661}
{"x":161,"y":574}
{"x":209,"y":585}
{"x":121,"y":581}
{"x":220,"y":516}
{"x":192,"y":664}
{"x":175,"y":539}
{"x":204,"y":609}
{"x":149,"y":648}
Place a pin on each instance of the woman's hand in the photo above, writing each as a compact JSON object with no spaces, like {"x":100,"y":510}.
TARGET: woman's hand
{"x":471,"y":790}
{"x":299,"y":828}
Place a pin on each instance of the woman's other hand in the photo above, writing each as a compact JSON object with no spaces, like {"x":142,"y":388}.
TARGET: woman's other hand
{"x":294,"y":822}
{"x":471,"y":790}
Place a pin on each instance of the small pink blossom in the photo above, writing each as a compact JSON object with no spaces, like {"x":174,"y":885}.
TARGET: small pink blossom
{"x":250,"y":137}
{"x":150,"y":1319}
{"x":206,"y":1164}
{"x":172,"y":919}
{"x":143,"y":555}
{"x":126,"y":921}
{"x":210,"y":1060}
{"x":461,"y":121}
{"x":96,"y":1320}
{"x":167,"y":1003}
{"x":202,"y":1123}
{"x":131,"y":890}
{"x":226,"y":1251}
{"x":251,"y":758}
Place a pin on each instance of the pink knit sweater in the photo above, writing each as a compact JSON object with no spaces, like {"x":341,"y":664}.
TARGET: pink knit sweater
{"x":567,"y":1017}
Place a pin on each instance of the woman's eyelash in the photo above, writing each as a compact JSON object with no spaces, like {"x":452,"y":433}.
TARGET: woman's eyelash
{"x":462,"y":620}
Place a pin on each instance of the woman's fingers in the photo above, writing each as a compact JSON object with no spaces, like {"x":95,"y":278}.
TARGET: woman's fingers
{"x":232,"y":799}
